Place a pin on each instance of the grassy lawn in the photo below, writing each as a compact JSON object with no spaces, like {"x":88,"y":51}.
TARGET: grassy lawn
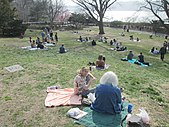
{"x":22,"y":94}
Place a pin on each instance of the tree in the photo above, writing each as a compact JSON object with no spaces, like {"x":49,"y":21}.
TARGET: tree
{"x":6,"y":13}
{"x":96,"y":9}
{"x":53,"y":9}
{"x":157,"y":7}
{"x":37,"y":12}
{"x":80,"y":18}
{"x":23,"y":8}
{"x":9,"y":25}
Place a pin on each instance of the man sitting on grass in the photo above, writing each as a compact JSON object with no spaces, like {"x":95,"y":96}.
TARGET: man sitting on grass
{"x":130,"y":55}
{"x":62,"y":49}
{"x":141,"y":59}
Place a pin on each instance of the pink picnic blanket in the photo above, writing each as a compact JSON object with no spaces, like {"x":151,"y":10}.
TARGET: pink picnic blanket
{"x":62,"y":97}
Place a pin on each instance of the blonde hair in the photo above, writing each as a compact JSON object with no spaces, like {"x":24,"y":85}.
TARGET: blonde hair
{"x":82,"y":69}
{"x":109,"y":78}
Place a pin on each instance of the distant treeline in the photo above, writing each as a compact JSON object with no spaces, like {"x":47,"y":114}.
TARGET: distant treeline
{"x":154,"y":26}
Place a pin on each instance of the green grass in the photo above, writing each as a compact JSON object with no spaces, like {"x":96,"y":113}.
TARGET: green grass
{"x":22,"y":94}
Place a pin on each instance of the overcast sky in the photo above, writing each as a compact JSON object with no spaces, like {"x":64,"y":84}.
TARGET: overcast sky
{"x":72,"y":3}
{"x":122,"y":10}
{"x":120,"y":5}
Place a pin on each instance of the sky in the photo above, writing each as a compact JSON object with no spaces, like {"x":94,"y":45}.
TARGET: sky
{"x":122,"y":10}
{"x":72,"y":3}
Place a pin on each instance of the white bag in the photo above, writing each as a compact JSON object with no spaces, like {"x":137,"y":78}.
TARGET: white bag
{"x":76,"y":113}
{"x":91,"y":97}
{"x":73,"y":112}
{"x":144,"y":116}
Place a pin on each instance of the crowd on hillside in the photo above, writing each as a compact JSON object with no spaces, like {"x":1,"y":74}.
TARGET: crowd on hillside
{"x":108,"y":98}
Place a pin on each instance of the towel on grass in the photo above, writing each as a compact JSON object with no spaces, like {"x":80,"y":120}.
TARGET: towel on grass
{"x":62,"y":97}
{"x":135,"y":60}
{"x":49,"y":44}
{"x":26,"y":47}
{"x":100,"y":68}
{"x":32,"y":49}
{"x":95,"y":119}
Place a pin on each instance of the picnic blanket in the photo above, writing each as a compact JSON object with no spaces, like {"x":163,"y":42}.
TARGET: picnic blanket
{"x":95,"y":119}
{"x":32,"y":49}
{"x":135,"y":60}
{"x":62,"y":97}
{"x":49,"y":44}
{"x":98,"y":68}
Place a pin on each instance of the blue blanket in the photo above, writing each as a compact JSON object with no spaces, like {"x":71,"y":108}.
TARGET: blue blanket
{"x":134,"y":61}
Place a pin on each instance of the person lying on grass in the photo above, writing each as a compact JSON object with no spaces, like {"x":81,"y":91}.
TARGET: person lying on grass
{"x":100,"y":62}
{"x":108,"y":95}
{"x":82,"y":82}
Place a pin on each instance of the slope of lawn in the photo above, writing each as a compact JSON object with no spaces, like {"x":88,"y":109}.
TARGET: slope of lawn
{"x":22,"y":93}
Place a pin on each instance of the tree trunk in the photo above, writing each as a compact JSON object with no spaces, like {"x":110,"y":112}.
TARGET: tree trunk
{"x":101,"y":29}
{"x":51,"y":24}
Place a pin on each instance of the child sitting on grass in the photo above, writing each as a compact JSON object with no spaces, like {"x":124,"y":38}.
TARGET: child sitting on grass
{"x":82,"y":82}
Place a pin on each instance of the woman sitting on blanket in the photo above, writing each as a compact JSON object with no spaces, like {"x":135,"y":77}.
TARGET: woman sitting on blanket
{"x":100,"y":62}
{"x":108,"y":95}
{"x":33,"y":44}
{"x":82,"y":82}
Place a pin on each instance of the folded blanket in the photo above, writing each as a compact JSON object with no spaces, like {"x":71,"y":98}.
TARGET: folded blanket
{"x":62,"y":97}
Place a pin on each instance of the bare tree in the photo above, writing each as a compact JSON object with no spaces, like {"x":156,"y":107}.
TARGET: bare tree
{"x":37,"y":12}
{"x":96,"y":9}
{"x":157,"y":7}
{"x":23,"y":8}
{"x":53,"y":9}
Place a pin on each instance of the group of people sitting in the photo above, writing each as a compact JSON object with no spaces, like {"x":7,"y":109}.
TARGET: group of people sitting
{"x":154,"y":51}
{"x":108,"y":95}
{"x":47,"y":36}
{"x":117,"y":45}
{"x":37,"y":44}
{"x":86,"y":39}
{"x":132,"y":38}
{"x":103,"y":39}
{"x":40,"y":45}
{"x":140,"y":58}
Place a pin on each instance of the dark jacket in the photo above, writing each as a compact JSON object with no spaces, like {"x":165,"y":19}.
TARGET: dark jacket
{"x":163,"y":50}
{"x":108,"y":99}
{"x":62,"y":49}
